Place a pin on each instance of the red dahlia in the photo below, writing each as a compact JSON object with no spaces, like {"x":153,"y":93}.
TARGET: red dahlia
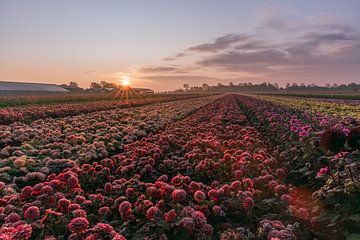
{"x":78,"y":225}
{"x":32,"y":213}
{"x":178,"y":195}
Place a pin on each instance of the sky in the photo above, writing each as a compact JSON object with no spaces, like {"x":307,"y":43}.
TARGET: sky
{"x":163,"y":44}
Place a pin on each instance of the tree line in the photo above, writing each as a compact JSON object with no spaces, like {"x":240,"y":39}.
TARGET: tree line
{"x":270,"y":87}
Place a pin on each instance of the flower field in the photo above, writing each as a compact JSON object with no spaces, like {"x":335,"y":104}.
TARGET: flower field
{"x":213,"y":167}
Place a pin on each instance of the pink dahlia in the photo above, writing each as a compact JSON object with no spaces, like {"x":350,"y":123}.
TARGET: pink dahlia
{"x":32,"y":213}
{"x":22,"y":232}
{"x":216,"y":209}
{"x":322,"y":172}
{"x":170,"y":216}
{"x":177,"y":180}
{"x":79,"y":213}
{"x":194,"y":186}
{"x":150,"y":213}
{"x":73,"y":207}
{"x":214,"y":195}
{"x":199,"y":218}
{"x":78,"y":225}
{"x":103,"y":230}
{"x":103,"y":211}
{"x":26,"y":192}
{"x":199,"y":196}
{"x":130,"y":192}
{"x":248,"y":203}
{"x":238,"y":174}
{"x":178,"y":195}
{"x":125,"y":210}
{"x":12,"y":218}
{"x":63,"y":205}
{"x":188,"y":224}
{"x":280,"y":189}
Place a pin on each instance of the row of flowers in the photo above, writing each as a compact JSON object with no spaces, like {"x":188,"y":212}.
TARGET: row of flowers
{"x":29,"y":113}
{"x":209,"y":176}
{"x":328,"y":107}
{"x":32,"y":151}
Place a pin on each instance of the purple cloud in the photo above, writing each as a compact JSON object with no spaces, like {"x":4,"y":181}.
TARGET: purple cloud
{"x":220,"y":43}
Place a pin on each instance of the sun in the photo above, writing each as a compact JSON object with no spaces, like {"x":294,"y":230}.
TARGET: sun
{"x":125,"y":82}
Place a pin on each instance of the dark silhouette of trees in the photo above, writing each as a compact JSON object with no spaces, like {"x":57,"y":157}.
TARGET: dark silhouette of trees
{"x":73,"y":84}
{"x":95,"y":85}
{"x":267,"y":87}
{"x":186,"y":87}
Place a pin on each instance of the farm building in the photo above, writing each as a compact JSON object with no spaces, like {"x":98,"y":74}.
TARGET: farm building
{"x":22,"y":88}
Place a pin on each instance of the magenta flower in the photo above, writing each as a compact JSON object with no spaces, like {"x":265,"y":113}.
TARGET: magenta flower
{"x":322,"y":172}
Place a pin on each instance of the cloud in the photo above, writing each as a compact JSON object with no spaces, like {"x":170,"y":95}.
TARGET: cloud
{"x":156,"y":69}
{"x":246,"y":60}
{"x":173,"y":69}
{"x":252,"y":44}
{"x":169,"y":59}
{"x":299,"y":52}
{"x":177,"y":78}
{"x":219,"y":43}
{"x":96,"y":72}
{"x":281,"y":20}
{"x":284,"y":48}
{"x":324,"y":22}
{"x":330,"y":45}
{"x":331,"y":37}
{"x":177,"y":56}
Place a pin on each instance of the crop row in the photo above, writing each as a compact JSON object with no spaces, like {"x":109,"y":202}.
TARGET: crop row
{"x":63,"y":98}
{"x":29,"y":113}
{"x":335,"y":108}
{"x":336,"y":96}
{"x":31,"y":151}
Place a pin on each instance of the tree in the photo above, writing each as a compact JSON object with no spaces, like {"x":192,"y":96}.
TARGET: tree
{"x":205,"y":87}
{"x":95,"y":85}
{"x":105,"y":84}
{"x":73,"y":84}
{"x":186,"y":87}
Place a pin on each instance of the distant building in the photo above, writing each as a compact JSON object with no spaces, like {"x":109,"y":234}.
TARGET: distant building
{"x":110,"y":89}
{"x":21,"y":88}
